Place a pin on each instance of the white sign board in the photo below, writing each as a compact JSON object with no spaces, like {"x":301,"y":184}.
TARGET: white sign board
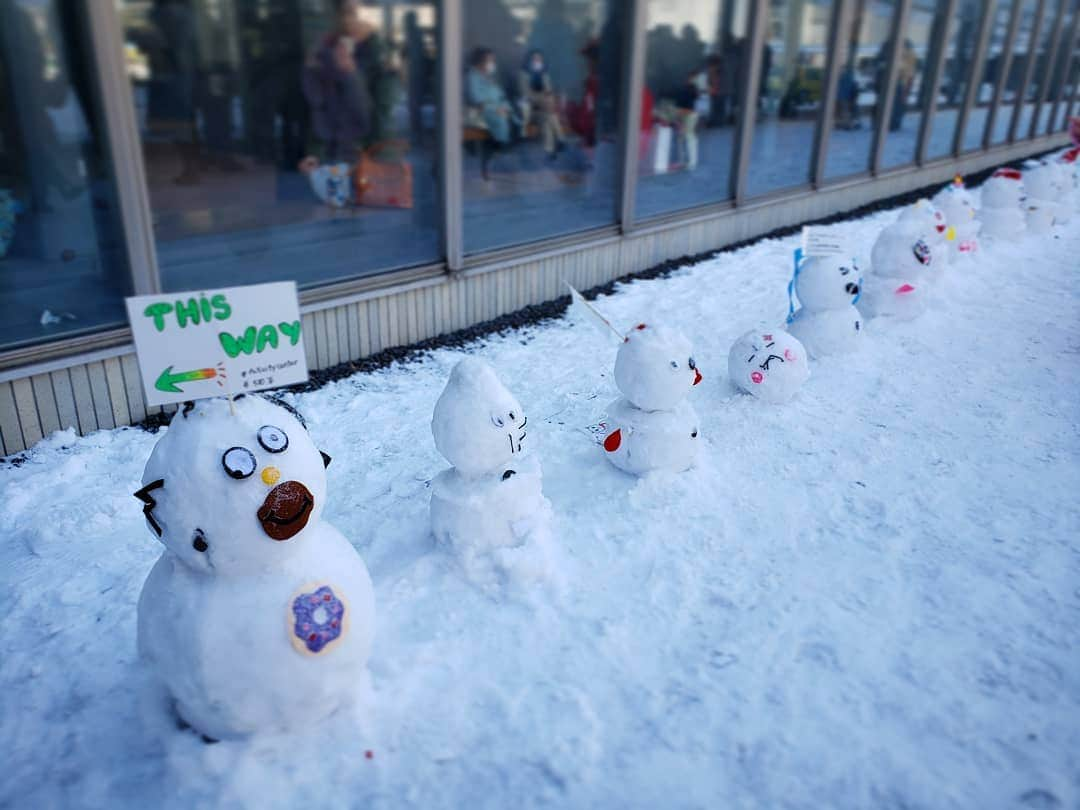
{"x":815,"y":242}
{"x":208,"y":343}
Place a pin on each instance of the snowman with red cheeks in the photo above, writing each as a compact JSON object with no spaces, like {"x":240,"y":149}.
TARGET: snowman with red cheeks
{"x":771,"y":366}
{"x":652,"y":426}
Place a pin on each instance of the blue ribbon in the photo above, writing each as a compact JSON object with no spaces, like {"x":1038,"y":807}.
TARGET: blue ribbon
{"x":791,"y":285}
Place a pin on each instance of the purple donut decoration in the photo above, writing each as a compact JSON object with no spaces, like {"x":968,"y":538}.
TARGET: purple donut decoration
{"x":318,"y":619}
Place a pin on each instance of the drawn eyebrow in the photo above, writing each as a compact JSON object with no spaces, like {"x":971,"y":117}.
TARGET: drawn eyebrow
{"x":149,"y":503}
{"x":770,"y":345}
{"x":751,"y":357}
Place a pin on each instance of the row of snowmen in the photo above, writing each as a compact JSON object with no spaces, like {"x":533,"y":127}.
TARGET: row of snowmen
{"x":259,"y":616}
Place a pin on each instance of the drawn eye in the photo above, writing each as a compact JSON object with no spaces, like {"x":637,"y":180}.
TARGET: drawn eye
{"x":497,"y":421}
{"x":845,"y":270}
{"x":512,"y":417}
{"x":691,"y":363}
{"x":239,"y":462}
{"x":273,"y":439}
{"x":674,"y":364}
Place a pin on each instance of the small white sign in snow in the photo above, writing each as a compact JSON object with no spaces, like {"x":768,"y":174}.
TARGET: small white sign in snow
{"x":207,"y":343}
{"x":817,"y":243}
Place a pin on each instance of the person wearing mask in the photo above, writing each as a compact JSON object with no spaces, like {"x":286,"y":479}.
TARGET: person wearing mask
{"x":482,"y":90}
{"x":538,"y":101}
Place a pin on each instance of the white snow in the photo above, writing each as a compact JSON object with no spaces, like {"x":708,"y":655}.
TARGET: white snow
{"x":867,"y":597}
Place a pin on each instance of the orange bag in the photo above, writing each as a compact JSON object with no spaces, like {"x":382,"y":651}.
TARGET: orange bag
{"x":383,"y":177}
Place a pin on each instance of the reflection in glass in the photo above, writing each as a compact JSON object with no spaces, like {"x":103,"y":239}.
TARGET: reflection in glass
{"x":859,"y":87}
{"x":790,"y":94}
{"x":285,"y":139}
{"x":914,"y":59}
{"x":1004,"y":115}
{"x":62,"y":262}
{"x":692,"y":85}
{"x":955,"y":75}
{"x":1068,"y":90}
{"x":988,"y":76}
{"x":541,"y":116}
{"x":1051,"y":76}
{"x":1039,"y":73}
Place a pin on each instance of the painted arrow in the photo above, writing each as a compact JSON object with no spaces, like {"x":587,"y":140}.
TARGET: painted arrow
{"x":168,"y":381}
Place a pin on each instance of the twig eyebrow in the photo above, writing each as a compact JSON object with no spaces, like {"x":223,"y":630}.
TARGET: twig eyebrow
{"x":149,"y":503}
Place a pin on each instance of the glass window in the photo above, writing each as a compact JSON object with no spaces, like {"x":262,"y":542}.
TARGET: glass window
{"x":1048,"y":76}
{"x":541,"y":118}
{"x":62,"y":259}
{"x":286,"y":139}
{"x":1068,"y":91}
{"x":955,"y":74}
{"x":693,"y":77}
{"x":1038,"y":73}
{"x":861,"y":75}
{"x":1004,"y":115}
{"x":789,"y":98}
{"x":912,"y":92}
{"x":988,"y":77}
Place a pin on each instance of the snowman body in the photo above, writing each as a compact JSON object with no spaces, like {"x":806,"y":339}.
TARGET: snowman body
{"x":492,"y":498}
{"x":827,"y":321}
{"x":771,"y":366}
{"x":901,"y":277}
{"x":1001,"y":211}
{"x":1045,"y":198}
{"x":651,"y":426}
{"x":258,"y":617}
{"x":958,"y":207}
{"x":926,"y":220}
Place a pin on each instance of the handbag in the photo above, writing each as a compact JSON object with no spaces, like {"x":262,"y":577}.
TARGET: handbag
{"x":382,"y":177}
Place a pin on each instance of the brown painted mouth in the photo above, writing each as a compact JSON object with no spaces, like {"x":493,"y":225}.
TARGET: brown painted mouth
{"x":286,"y":510}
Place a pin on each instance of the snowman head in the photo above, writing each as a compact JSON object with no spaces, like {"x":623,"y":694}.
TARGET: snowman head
{"x":1043,"y":182}
{"x":925,"y":219}
{"x":827,"y":282}
{"x":901,"y":252}
{"x":655,"y":367}
{"x":478,"y":425}
{"x":770,"y":365}
{"x":234,"y":493}
{"x":956,"y":203}
{"x":1005,"y":189}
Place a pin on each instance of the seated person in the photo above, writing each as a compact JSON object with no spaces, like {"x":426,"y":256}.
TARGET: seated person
{"x":482,"y":90}
{"x":538,"y":99}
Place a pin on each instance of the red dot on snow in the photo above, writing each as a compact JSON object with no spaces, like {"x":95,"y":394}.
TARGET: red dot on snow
{"x":369,"y":754}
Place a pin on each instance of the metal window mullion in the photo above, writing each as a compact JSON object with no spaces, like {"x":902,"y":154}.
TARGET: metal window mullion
{"x":975,"y":73}
{"x":1067,"y":66}
{"x":450,"y":68}
{"x":124,"y":145}
{"x":633,"y":79}
{"x":892,"y":69}
{"x":1048,"y":66}
{"x":941,"y":45}
{"x":1003,"y":72}
{"x":1029,"y":68}
{"x":841,"y":20}
{"x":744,"y":136}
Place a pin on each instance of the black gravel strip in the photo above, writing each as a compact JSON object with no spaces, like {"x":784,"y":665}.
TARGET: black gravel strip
{"x":538,"y":314}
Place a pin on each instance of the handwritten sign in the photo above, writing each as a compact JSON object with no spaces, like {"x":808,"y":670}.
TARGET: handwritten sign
{"x":212,"y":342}
{"x":816,"y":242}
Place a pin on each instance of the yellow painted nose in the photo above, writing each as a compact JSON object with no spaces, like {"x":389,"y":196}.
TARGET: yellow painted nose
{"x":271,"y":475}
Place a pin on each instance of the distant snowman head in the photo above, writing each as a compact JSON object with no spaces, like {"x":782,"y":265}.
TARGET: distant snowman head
{"x":655,"y":367}
{"x":771,"y":365}
{"x":478,"y":425}
{"x":923,"y":218}
{"x":956,"y":203}
{"x":1005,"y":189}
{"x":1043,"y":182}
{"x":901,"y":252}
{"x":827,"y":282}
{"x":234,"y":493}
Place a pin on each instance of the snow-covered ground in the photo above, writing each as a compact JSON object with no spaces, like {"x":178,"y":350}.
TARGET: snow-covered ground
{"x":869,"y":597}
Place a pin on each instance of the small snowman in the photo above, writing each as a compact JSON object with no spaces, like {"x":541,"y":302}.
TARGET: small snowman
{"x":651,"y":426}
{"x":900,"y":281}
{"x":771,"y":366}
{"x":258,"y":616}
{"x":827,"y":288}
{"x":489,"y":507}
{"x":1002,"y":212}
{"x":957,"y":205}
{"x":923,"y":218}
{"x":1045,"y":198}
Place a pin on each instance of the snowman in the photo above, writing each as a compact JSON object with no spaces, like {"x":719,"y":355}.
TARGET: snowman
{"x":957,"y":205}
{"x":1002,"y":213}
{"x":1045,"y":198}
{"x":258,"y":616}
{"x":770,"y":366}
{"x":900,"y":281}
{"x":489,"y":506}
{"x":930,"y":224}
{"x":827,"y":288}
{"x":652,"y":426}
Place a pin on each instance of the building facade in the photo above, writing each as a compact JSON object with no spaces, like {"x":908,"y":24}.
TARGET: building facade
{"x":419,"y":167}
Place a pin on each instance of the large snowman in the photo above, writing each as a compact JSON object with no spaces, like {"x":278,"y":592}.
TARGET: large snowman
{"x":902,"y":264}
{"x":651,"y":426}
{"x":771,"y":366}
{"x":489,"y":507}
{"x":1002,"y":205}
{"x":827,"y":288}
{"x":258,"y":616}
{"x":957,"y":205}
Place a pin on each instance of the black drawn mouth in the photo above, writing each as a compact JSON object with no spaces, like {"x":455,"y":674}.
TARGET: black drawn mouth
{"x":852,"y":288}
{"x":199,"y":541}
{"x":515,"y":447}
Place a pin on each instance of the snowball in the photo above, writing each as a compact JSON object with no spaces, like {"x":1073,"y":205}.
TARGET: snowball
{"x":478,"y":425}
{"x":640,"y":441}
{"x":1043,"y":182}
{"x":655,"y":367}
{"x":258,"y":617}
{"x":770,"y":366}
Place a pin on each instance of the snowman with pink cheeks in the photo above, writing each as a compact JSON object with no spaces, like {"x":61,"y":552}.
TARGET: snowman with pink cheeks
{"x":771,"y":366}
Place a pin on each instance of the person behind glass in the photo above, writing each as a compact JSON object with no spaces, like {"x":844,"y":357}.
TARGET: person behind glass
{"x":688,"y":108}
{"x":908,"y":64}
{"x":482,"y":91}
{"x":539,"y":103}
{"x":338,"y":83}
